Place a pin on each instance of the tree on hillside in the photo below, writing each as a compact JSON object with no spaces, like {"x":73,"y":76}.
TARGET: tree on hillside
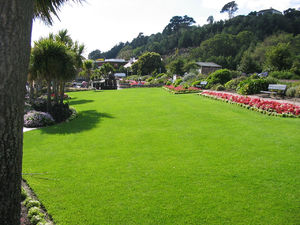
{"x":210,"y":19}
{"x":148,"y":63}
{"x":230,"y":8}
{"x":15,"y":36}
{"x":279,"y":57}
{"x":96,"y":54}
{"x":178,"y":22}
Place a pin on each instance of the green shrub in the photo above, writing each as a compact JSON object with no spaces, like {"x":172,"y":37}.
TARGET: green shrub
{"x":284,"y":75}
{"x":197,"y":82}
{"x":160,"y":75}
{"x":271,"y":80}
{"x":291,"y":92}
{"x":219,"y":87}
{"x":185,"y":86}
{"x":254,"y":76}
{"x":168,"y":82}
{"x":297,"y":94}
{"x":149,"y":79}
{"x":144,"y":78}
{"x":219,"y":77}
{"x":133,"y":77}
{"x":23,"y":194}
{"x":252,"y":86}
{"x":36,"y":219}
{"x":27,"y":200}
{"x":232,"y":84}
{"x":235,"y":74}
{"x":33,"y":211}
{"x":32,"y":203}
{"x":177,"y":82}
{"x":190,"y":77}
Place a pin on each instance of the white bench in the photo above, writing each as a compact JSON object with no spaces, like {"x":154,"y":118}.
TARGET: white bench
{"x":275,"y":89}
{"x":202,"y":84}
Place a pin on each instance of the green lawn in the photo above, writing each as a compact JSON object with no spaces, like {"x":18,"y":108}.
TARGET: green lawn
{"x":145,"y":156}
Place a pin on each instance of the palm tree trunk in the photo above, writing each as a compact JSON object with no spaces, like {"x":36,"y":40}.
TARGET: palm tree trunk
{"x":31,"y":93}
{"x":48,"y":95}
{"x":62,"y":92}
{"x":15,"y":26}
{"x":55,"y":91}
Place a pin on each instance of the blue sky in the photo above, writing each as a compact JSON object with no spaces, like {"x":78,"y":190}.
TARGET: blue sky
{"x":100,"y":24}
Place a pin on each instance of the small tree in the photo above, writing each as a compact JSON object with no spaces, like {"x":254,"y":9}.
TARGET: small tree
{"x":230,"y":8}
{"x":176,"y":67}
{"x":54,"y":61}
{"x":87,"y":68}
{"x":149,"y":63}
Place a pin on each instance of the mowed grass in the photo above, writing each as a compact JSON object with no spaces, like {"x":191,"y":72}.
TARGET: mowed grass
{"x":145,"y":156}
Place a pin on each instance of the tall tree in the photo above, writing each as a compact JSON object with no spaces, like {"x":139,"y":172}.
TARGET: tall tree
{"x":178,"y":22}
{"x":230,"y":8}
{"x":15,"y":36}
{"x":210,"y":19}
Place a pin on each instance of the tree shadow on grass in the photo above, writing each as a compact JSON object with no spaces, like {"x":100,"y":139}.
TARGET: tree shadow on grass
{"x":86,"y":120}
{"x":79,"y":102}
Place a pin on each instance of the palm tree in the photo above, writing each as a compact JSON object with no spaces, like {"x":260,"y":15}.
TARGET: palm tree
{"x":15,"y":37}
{"x":54,"y":61}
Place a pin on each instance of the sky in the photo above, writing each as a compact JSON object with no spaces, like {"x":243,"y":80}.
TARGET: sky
{"x":101,"y":24}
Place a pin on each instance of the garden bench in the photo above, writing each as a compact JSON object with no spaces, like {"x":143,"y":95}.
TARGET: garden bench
{"x":275,"y":89}
{"x":202,"y":84}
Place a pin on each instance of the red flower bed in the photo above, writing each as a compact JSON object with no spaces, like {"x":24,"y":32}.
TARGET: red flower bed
{"x":257,"y":103}
{"x":181,"y":89}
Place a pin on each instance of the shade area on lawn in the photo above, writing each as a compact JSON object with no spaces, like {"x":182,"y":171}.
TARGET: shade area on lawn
{"x":145,"y":156}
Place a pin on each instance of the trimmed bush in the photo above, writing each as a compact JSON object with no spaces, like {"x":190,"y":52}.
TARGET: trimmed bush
{"x":218,"y":77}
{"x":291,"y":92}
{"x":177,"y":82}
{"x":34,"y":211}
{"x":37,"y":119}
{"x":23,"y":194}
{"x":197,"y":82}
{"x":32,"y":203}
{"x":232,"y":84}
{"x":36,"y":219}
{"x":219,"y":87}
{"x":60,"y":112}
{"x":254,"y":86}
{"x":168,"y":82}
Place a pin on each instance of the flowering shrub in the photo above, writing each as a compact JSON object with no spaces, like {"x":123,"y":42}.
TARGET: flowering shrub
{"x":37,"y":119}
{"x":263,"y":106}
{"x":65,"y":96}
{"x":181,"y":89}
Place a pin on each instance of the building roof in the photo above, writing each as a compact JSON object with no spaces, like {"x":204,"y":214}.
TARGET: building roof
{"x":208,"y":64}
{"x":120,"y":74}
{"x":271,"y":10}
{"x":115,"y":60}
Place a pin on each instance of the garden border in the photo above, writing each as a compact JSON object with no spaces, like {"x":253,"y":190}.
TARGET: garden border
{"x":270,"y":112}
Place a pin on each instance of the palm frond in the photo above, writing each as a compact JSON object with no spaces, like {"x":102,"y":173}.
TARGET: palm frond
{"x":44,"y":9}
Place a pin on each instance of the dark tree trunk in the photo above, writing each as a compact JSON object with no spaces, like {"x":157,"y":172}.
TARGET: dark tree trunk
{"x":55,"y":91}
{"x":31,"y":91}
{"x":15,"y":34}
{"x":48,"y":96}
{"x":62,"y":92}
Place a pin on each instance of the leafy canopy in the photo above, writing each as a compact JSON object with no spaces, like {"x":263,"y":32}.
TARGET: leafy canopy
{"x":230,"y":8}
